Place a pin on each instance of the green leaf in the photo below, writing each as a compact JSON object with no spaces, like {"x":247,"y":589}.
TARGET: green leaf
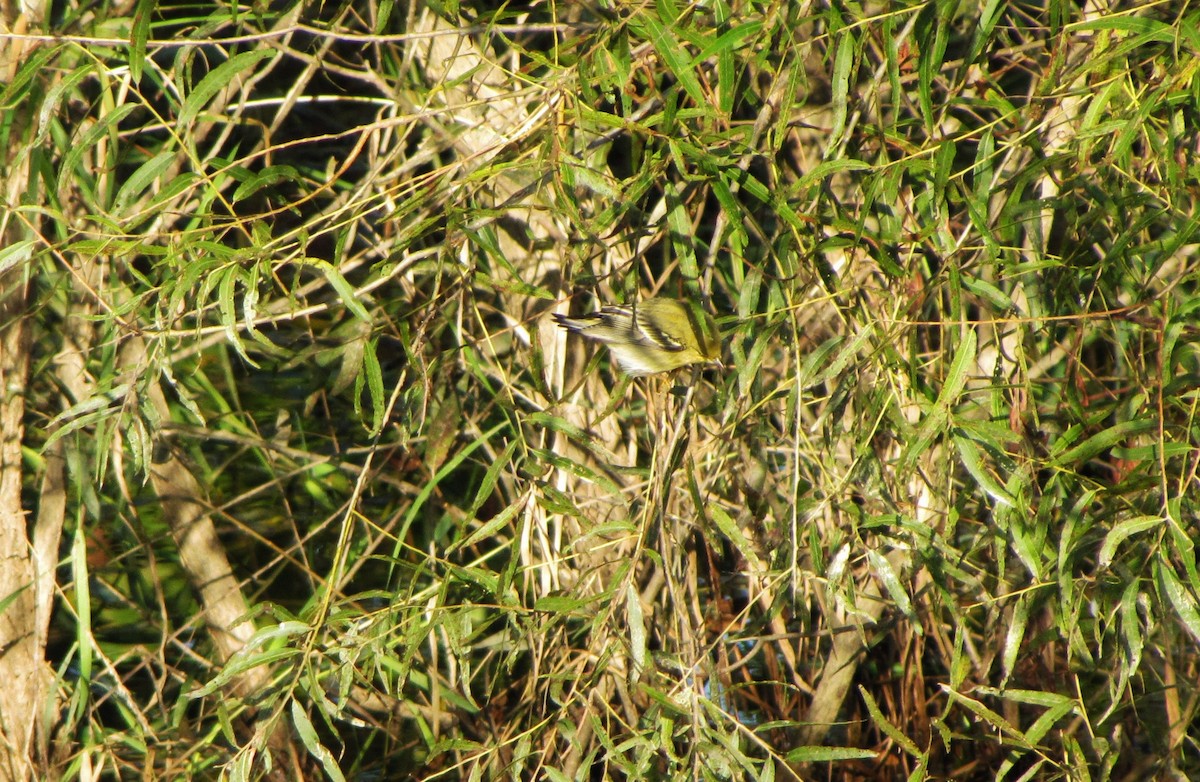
{"x":964,"y":360}
{"x":990,"y":717}
{"x":145,"y":175}
{"x":308,"y":736}
{"x":1183,"y":601}
{"x":1015,"y":635}
{"x":61,"y":91}
{"x":139,"y":31}
{"x":374,"y":376}
{"x":228,"y":278}
{"x":845,"y":47}
{"x":33,"y":66}
{"x":890,"y":730}
{"x":431,"y":486}
{"x":1123,"y":531}
{"x":890,"y":579}
{"x":217,"y":80}
{"x":82,"y":599}
{"x":561,"y":604}
{"x":104,"y":128}
{"x":680,"y":224}
{"x":936,"y":418}
{"x":1102,"y":441}
{"x":636,"y":621}
{"x":344,"y":290}
{"x":646,"y":24}
{"x":269,"y":176}
{"x":846,"y":353}
{"x":1151,"y":30}
{"x":15,"y":254}
{"x":828,"y":754}
{"x":730,"y":529}
{"x":973,"y":461}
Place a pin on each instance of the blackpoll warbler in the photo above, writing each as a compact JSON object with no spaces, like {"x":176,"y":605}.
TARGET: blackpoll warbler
{"x":655,"y":335}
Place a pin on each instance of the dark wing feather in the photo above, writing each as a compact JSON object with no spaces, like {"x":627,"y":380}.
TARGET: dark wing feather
{"x":655,"y":335}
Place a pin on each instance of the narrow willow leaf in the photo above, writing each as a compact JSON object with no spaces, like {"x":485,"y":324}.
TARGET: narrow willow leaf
{"x":637,"y":633}
{"x":431,"y":485}
{"x":105,"y":127}
{"x":724,"y":44}
{"x":996,"y":297}
{"x":988,"y":15}
{"x":1015,"y":636}
{"x":61,"y":91}
{"x":578,"y":470}
{"x":680,"y":223}
{"x":271,"y":175}
{"x":344,"y":289}
{"x":730,"y":530}
{"x":1134,"y":640}
{"x":1123,"y":531}
{"x":215,"y":81}
{"x":1183,"y":601}
{"x":844,"y":356}
{"x":308,"y":736}
{"x":560,"y":604}
{"x":139,"y":31}
{"x":145,"y":175}
{"x":892,"y":732}
{"x":887,"y":576}
{"x":1148,"y":29}
{"x":971,"y":458}
{"x":840,"y":86}
{"x":83,"y":605}
{"x":645,"y":23}
{"x":486,"y":488}
{"x":489,"y":528}
{"x":828,"y":754}
{"x":15,"y":254}
{"x":227,"y":309}
{"x":373,"y":372}
{"x":964,"y":361}
{"x":240,"y":663}
{"x":823,"y":170}
{"x":32,"y":66}
{"x":989,"y":716}
{"x":1101,"y":441}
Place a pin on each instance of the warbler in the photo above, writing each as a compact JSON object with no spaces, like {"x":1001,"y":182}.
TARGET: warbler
{"x":655,"y":335}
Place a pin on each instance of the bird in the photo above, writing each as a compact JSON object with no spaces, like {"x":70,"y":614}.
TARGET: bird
{"x":651,"y":336}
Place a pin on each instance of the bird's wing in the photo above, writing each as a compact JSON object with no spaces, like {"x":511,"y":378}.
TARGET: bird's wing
{"x":654,"y":335}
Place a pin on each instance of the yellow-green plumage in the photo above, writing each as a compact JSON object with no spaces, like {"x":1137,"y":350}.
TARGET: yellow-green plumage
{"x":655,"y":335}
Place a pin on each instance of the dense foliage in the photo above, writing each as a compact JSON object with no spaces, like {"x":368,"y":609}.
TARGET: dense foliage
{"x":338,"y":499}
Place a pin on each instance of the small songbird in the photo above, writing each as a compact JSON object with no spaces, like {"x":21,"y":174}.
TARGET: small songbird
{"x":655,"y":335}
